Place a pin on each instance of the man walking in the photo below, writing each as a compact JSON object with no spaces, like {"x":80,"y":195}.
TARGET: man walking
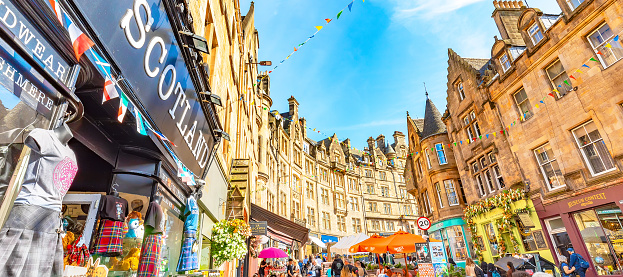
{"x":315,"y":269}
{"x":338,"y":264}
{"x":290,"y":268}
{"x":576,"y":260}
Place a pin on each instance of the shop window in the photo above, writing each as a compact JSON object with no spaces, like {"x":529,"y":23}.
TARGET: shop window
{"x":457,"y":243}
{"x":453,"y":200}
{"x":527,"y":238}
{"x":492,"y":238}
{"x":441,"y":154}
{"x":601,"y":231}
{"x":549,"y":167}
{"x":593,"y":148}
{"x":574,"y":4}
{"x":603,"y":41}
{"x":559,"y":79}
{"x":523,"y":104}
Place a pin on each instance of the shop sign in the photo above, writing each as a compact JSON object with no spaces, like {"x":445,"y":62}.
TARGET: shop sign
{"x":526,"y":220}
{"x":438,"y":253}
{"x":259,"y":228}
{"x":33,"y":41}
{"x":158,"y":75}
{"x":588,"y":200}
{"x":539,"y":240}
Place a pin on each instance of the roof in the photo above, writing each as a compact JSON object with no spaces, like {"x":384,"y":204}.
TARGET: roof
{"x":432,"y":121}
{"x":476,"y":63}
{"x":419,"y":123}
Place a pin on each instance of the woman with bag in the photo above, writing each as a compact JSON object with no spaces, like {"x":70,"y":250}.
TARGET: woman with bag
{"x":565,"y":270}
{"x":470,"y":268}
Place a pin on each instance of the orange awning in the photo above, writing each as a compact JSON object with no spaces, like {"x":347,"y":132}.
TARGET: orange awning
{"x":374,"y":244}
{"x":400,"y":242}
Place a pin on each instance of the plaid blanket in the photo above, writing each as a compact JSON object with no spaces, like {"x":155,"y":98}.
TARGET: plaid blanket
{"x":149,"y":263}
{"x":110,"y":237}
{"x":188,"y":259}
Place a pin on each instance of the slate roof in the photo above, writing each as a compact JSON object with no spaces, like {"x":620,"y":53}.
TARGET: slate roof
{"x":419,"y":123}
{"x":432,"y":121}
{"x":476,"y":63}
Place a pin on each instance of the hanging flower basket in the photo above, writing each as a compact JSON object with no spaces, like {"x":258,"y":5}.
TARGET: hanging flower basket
{"x":228,"y":240}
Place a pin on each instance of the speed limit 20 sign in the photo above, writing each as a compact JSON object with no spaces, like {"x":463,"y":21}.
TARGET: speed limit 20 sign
{"x":423,"y":223}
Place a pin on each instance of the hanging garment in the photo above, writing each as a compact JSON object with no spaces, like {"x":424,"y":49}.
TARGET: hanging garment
{"x":109,"y":238}
{"x":188,"y":258}
{"x":149,"y":263}
{"x":113,"y":208}
{"x":31,"y":243}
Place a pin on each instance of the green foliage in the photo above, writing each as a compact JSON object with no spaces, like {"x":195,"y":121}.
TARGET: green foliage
{"x":228,"y":240}
{"x":398,"y":265}
{"x":456,"y":271}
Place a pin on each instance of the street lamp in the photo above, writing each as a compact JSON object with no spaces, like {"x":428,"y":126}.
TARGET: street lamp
{"x":194,"y":41}
{"x":212,"y":98}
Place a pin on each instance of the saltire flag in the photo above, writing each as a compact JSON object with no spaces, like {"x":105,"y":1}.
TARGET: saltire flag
{"x":140,"y":123}
{"x":57,"y":10}
{"x":123,"y":107}
{"x":80,"y":42}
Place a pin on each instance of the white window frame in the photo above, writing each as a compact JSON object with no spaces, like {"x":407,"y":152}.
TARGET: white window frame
{"x":606,"y":41}
{"x":489,"y":180}
{"x":561,"y":179}
{"x":440,"y":150}
{"x":518,"y":105}
{"x":590,"y":167}
{"x":449,"y":190}
{"x":461,"y":90}
{"x":552,"y":232}
{"x":505,"y":62}
{"x":559,"y":94}
{"x":438,"y":189}
{"x":570,"y":3}
{"x":93,"y":201}
{"x":532,"y":32}
{"x":428,"y":159}
{"x":481,"y":186}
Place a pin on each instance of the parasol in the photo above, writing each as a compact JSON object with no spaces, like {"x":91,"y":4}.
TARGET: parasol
{"x":272,"y":252}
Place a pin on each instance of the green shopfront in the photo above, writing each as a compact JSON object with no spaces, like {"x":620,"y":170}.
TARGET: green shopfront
{"x":455,"y":238}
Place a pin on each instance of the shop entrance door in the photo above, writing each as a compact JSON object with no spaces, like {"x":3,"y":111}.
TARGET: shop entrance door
{"x":559,"y":236}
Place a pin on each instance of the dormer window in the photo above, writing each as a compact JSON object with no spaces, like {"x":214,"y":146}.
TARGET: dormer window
{"x":535,"y":33}
{"x":505,"y":62}
{"x":459,"y":89}
{"x":573,"y":4}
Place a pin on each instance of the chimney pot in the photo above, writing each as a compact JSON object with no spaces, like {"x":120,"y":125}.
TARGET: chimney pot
{"x":496,"y":4}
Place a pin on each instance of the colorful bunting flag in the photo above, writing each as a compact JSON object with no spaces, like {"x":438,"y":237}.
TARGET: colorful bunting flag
{"x":584,"y":65}
{"x":593,"y":59}
{"x":608,"y":45}
{"x":294,"y":50}
{"x":580,"y":71}
{"x":327,"y":20}
{"x":79,"y":40}
{"x":57,"y":11}
{"x":552,"y":95}
{"x":350,"y":6}
{"x":123,"y":107}
{"x":616,"y":38}
{"x":599,"y":53}
{"x":339,"y":14}
{"x":140,"y":123}
{"x":319,"y":28}
{"x":110,"y":90}
{"x":567,"y":82}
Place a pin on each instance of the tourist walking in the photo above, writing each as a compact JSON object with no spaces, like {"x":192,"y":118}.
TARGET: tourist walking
{"x":511,"y":269}
{"x":578,"y":262}
{"x":470,"y":268}
{"x":565,"y":269}
{"x":336,"y":266}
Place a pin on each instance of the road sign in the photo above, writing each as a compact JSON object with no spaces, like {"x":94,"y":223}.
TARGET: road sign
{"x":423,"y":223}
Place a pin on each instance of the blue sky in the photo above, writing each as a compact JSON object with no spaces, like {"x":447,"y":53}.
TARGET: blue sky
{"x":360,"y":74}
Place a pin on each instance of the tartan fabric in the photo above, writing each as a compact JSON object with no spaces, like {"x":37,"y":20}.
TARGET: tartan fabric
{"x":30,"y":245}
{"x":149,"y":263}
{"x":110,"y":237}
{"x":188,"y":259}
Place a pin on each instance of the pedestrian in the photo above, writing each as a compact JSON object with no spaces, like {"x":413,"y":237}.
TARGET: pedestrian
{"x":290,"y":268}
{"x":511,"y":269}
{"x":353,"y":269}
{"x":405,"y":272}
{"x":470,"y":268}
{"x":493,"y":271}
{"x":578,"y":262}
{"x":484,"y":265}
{"x":381,"y":270}
{"x":267,"y":269}
{"x":521,"y":273}
{"x":361,"y":270}
{"x":337,"y":265}
{"x":261,"y":269}
{"x":318,"y":260}
{"x":565,"y":269}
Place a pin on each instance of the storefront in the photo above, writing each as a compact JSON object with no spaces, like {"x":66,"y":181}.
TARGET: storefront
{"x":592,"y":224}
{"x":506,"y":224}
{"x":151,"y":158}
{"x":452,"y":233}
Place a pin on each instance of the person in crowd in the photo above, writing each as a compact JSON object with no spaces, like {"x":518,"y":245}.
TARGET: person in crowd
{"x":305,"y":259}
{"x":493,"y":271}
{"x":565,"y":269}
{"x":353,"y":269}
{"x":578,"y":262}
{"x":316,"y":269}
{"x":511,"y":269}
{"x":541,"y":274}
{"x":484,"y":266}
{"x":301,"y":267}
{"x":267,"y":269}
{"x":337,"y":266}
{"x":470,"y":268}
{"x":261,"y":269}
{"x":361,"y":269}
{"x":290,"y":270}
{"x":318,"y":260}
{"x":381,"y":270}
{"x":405,"y":272}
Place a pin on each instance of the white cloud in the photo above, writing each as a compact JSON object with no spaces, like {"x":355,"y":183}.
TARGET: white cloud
{"x":427,"y":8}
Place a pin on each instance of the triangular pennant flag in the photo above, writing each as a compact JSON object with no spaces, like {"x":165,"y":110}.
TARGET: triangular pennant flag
{"x":592,"y":59}
{"x":552,"y":95}
{"x":616,"y":38}
{"x":327,"y":20}
{"x":487,"y":135}
{"x":319,"y":28}
{"x":495,"y":135}
{"x":57,"y":10}
{"x":79,"y":40}
{"x":140,"y":123}
{"x":100,"y":63}
{"x":350,"y":6}
{"x":270,"y":72}
{"x":542,"y":102}
{"x":339,"y":14}
{"x":537,"y":106}
{"x":599,"y":53}
{"x":556,"y":90}
{"x":295,"y":49}
{"x":314,"y":35}
{"x":584,"y":65}
{"x":110,"y":90}
{"x":608,"y":45}
{"x":570,"y":76}
{"x":123,"y":107}
{"x":579,"y":71}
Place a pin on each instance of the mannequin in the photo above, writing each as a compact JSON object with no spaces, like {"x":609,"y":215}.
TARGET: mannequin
{"x":158,"y":197}
{"x":114,"y":191}
{"x":113,"y":211}
{"x":63,"y":133}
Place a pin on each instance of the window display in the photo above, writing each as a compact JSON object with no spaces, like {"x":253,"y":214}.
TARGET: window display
{"x":601,"y":230}
{"x":493,"y":243}
{"x":457,"y":243}
{"x":112,"y":211}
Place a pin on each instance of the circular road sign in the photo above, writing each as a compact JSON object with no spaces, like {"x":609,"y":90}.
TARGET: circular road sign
{"x":423,"y":223}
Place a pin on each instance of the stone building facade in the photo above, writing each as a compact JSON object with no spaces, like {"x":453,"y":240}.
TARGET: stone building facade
{"x":549,"y":122}
{"x":329,"y":186}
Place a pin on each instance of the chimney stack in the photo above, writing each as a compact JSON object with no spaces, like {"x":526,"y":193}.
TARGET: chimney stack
{"x":506,"y":16}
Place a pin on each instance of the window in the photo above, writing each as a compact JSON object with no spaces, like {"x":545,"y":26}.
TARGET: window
{"x":376,"y":225}
{"x":370,"y":188}
{"x":428,"y":159}
{"x":491,"y":238}
{"x":603,"y":42}
{"x":385,"y":191}
{"x":340,"y":201}
{"x":459,"y":89}
{"x":471,"y":126}
{"x":390,"y":225}
{"x":368,"y":173}
{"x":489,"y":181}
{"x":438,"y":189}
{"x":310,"y":190}
{"x":599,"y":229}
{"x":558,"y":234}
{"x":372,"y":207}
{"x":481,"y":187}
{"x":487,"y":174}
{"x":574,"y":4}
{"x":428,"y":200}
{"x":505,"y":62}
{"x":523,"y":104}
{"x":419,"y":169}
{"x":354,"y":204}
{"x":326,"y":221}
{"x":559,"y":78}
{"x":425,"y":203}
{"x":441,"y":154}
{"x":498,"y":176}
{"x":324,"y":195}
{"x":387,"y":208}
{"x":311,"y":216}
{"x":535,"y":33}
{"x":357,"y":225}
{"x":297,"y":209}
{"x":271,"y":202}
{"x":462,"y":191}
{"x":549,"y":167}
{"x":306,"y":147}
{"x":407,"y":210}
{"x":593,"y":148}
{"x":382,"y":175}
{"x":453,"y":200}
{"x":297,"y":157}
{"x":297,"y":184}
{"x":456,"y":240}
{"x":341,"y":223}
{"x":284,"y":204}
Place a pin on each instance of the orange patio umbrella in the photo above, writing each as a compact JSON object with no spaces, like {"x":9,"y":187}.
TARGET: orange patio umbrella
{"x":375,"y":244}
{"x":403,"y":242}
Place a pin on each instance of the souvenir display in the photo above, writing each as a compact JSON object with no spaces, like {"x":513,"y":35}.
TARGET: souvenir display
{"x":149,"y":263}
{"x":188,"y":259}
{"x":113,"y":211}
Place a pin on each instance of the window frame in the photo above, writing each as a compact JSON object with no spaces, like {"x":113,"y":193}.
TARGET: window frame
{"x":548,"y":162}
{"x":495,"y":180}
{"x":605,"y":42}
{"x":591,"y":170}
{"x":428,"y":159}
{"x":518,"y":105}
{"x":571,"y":5}
{"x":461,"y":90}
{"x":438,"y":190}
{"x":503,"y":63}
{"x":532,"y":34}
{"x":559,"y":94}
{"x":448,"y":193}
{"x":439,"y":148}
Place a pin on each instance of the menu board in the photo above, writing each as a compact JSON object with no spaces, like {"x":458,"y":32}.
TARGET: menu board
{"x":539,"y":240}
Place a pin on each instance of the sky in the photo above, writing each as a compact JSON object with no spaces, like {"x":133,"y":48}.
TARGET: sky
{"x":361,"y":73}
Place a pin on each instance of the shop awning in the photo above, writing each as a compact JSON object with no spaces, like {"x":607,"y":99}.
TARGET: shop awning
{"x":342,"y":246}
{"x":318,"y":242}
{"x":280,"y":224}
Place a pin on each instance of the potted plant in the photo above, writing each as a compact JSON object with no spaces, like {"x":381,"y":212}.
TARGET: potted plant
{"x":229,"y":240}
